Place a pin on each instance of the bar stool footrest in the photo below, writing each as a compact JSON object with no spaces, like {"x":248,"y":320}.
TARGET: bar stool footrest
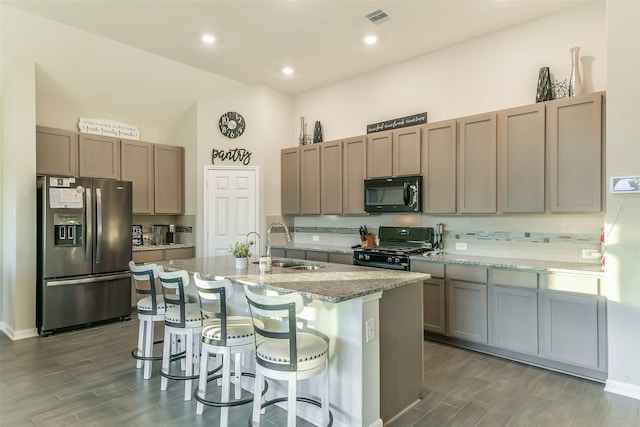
{"x":299,"y":399}
{"x":230,"y":403}
{"x":136,"y":351}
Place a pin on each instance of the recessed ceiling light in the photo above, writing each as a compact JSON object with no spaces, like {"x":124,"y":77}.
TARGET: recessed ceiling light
{"x":208,"y":39}
{"x":287,"y":70}
{"x":371,"y":40}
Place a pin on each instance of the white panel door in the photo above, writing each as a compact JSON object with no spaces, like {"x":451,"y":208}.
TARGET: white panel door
{"x":230,"y":207}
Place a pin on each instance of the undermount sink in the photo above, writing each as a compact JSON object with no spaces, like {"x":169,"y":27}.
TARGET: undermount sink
{"x":307,"y":267}
{"x":295,"y":265}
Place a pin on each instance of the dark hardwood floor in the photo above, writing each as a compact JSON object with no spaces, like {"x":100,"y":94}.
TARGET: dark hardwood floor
{"x":88,"y":378}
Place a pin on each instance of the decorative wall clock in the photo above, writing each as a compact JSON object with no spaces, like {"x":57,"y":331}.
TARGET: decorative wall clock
{"x":232,"y":124}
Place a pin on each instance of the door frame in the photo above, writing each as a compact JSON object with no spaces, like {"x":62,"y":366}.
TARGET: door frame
{"x":207,"y":168}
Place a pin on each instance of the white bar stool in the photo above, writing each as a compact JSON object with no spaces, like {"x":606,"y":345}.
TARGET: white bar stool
{"x":285,"y":353}
{"x":182,"y":319}
{"x":151,"y":309}
{"x":222,"y":335}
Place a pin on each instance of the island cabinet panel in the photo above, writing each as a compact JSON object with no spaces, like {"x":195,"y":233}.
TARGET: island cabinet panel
{"x":521,"y":136}
{"x":99,"y":156}
{"x":354,"y":173}
{"x":278,"y":253}
{"x":467,"y":302}
{"x":439,"y":167}
{"x":379,"y":153}
{"x":346,"y":259}
{"x":169,"y":179}
{"x":56,"y":152}
{"x":310,"y":179}
{"x":569,"y":329}
{"x":407,"y":145}
{"x":317,"y":256}
{"x":290,"y":180}
{"x":331,"y":182}
{"x":137,"y":167}
{"x":574,"y":150}
{"x":477,"y":161}
{"x":513,"y":318}
{"x":433,"y":295}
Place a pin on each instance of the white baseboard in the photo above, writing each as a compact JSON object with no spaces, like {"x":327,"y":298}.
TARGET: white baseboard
{"x":18,"y":335}
{"x":624,"y":389}
{"x":377,"y":423}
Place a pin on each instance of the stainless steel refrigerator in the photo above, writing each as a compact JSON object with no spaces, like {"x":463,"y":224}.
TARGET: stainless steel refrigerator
{"x":84,"y":248}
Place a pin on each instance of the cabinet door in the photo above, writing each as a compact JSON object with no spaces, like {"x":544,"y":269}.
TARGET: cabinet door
{"x":56,"y":152}
{"x":439,"y":167}
{"x":513,"y":319}
{"x":137,"y":167}
{"x":317,"y":256}
{"x":354,"y":173}
{"x":569,"y":328}
{"x":290,"y":180}
{"x":433,"y":295}
{"x":310,"y":179}
{"x":179,"y":253}
{"x":331,"y":177}
{"x":379,"y":153}
{"x":574,"y":149}
{"x":295,"y":254}
{"x":99,"y":156}
{"x":521,"y":136}
{"x":467,"y":310}
{"x":406,"y":151}
{"x":168,"y":168}
{"x":477,"y":170}
{"x":341,"y":258}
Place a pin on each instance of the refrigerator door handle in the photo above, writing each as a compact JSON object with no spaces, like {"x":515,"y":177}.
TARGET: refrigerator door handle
{"x":88,"y":229}
{"x":88,"y":280}
{"x":98,"y":225}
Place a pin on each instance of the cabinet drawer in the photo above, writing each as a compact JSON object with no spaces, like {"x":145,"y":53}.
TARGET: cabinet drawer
{"x":179,"y":253}
{"x":569,"y":283}
{"x":341,"y":258}
{"x":467,"y":273}
{"x":435,"y":269}
{"x":524,"y":279}
{"x":296,"y":254}
{"x":317,"y":256}
{"x":148,"y":256}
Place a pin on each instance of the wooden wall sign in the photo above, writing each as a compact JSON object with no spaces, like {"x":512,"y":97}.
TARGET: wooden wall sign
{"x":109,"y":128}
{"x":233,"y":155}
{"x":415,"y":119}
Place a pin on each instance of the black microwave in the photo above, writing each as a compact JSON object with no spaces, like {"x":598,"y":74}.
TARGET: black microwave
{"x":397,"y":194}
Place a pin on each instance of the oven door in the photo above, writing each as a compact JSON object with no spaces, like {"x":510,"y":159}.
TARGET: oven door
{"x":401,"y":194}
{"x":358,"y":260}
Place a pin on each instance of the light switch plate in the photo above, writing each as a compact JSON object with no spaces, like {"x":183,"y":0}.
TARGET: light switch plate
{"x":461,"y":246}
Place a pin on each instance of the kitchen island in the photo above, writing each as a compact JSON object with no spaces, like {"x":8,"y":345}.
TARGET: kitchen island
{"x":373,"y":318}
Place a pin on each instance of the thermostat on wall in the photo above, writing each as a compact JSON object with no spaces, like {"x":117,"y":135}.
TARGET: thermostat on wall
{"x":625,"y":184}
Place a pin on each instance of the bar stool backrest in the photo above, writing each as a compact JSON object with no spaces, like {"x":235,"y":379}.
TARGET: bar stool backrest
{"x":175,"y":281}
{"x":148,"y":274}
{"x":274,"y":318}
{"x":213,"y":303}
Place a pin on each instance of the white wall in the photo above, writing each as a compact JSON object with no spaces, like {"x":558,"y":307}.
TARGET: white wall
{"x":622,"y":225}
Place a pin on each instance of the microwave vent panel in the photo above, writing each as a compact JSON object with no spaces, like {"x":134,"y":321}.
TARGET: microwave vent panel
{"x":377,"y":17}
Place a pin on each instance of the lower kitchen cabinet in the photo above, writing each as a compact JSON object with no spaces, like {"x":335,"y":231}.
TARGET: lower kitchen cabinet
{"x":513,"y":319}
{"x":433,"y":296}
{"x":467,"y":310}
{"x":571,"y":328}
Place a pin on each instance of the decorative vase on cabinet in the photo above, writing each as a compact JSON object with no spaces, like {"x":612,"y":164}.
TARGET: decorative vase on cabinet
{"x":575,"y":82}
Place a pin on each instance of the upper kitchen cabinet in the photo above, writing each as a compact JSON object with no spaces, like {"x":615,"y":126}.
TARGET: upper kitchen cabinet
{"x":439,"y":167}
{"x":137,"y":167}
{"x":331,"y":177}
{"x":477,"y":164}
{"x":521,"y":136}
{"x":354,"y":151}
{"x":574,"y":153}
{"x":56,"y":152}
{"x":290,"y":180}
{"x":99,"y":156}
{"x":168,"y":162}
{"x":310,"y":179}
{"x":394,"y":153}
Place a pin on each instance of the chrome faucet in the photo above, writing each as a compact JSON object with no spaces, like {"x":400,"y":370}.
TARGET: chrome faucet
{"x":251,"y":242}
{"x":286,"y":230}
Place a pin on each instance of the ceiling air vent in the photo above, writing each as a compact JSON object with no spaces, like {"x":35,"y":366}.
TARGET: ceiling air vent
{"x":377,"y":17}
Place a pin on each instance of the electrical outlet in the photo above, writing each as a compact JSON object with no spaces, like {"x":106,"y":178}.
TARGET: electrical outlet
{"x":590,"y":254}
{"x":316,"y":238}
{"x":461,"y":246}
{"x":370,"y":329}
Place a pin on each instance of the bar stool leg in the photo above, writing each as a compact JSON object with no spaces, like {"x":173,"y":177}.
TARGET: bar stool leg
{"x":237,"y":374}
{"x":188,"y":391}
{"x":166,"y":354}
{"x":148,"y":348}
{"x":257,"y":398}
{"x":291,"y":419}
{"x":141,"y":346}
{"x":226,"y":385}
{"x":325,"y":396}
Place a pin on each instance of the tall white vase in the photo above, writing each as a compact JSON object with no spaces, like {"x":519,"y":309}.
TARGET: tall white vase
{"x":575,"y":82}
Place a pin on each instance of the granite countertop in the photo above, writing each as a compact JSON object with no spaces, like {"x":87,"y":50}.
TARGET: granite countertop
{"x":137,"y":248}
{"x":333,"y":283}
{"x":314,"y":248}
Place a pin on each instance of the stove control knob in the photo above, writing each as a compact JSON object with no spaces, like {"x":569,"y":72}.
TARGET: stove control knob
{"x":367,"y":257}
{"x":389,"y":259}
{"x":397,"y":260}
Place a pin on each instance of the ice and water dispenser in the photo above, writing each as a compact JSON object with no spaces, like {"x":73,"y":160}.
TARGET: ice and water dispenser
{"x":67,"y":229}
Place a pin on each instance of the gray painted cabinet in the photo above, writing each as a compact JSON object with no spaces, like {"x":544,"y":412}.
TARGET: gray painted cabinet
{"x":521,"y":138}
{"x":56,"y":152}
{"x":331,"y":181}
{"x":439,"y":171}
{"x":168,"y":169}
{"x":477,"y":164}
{"x":394,"y":153}
{"x":310,"y":179}
{"x":467,"y":302}
{"x":574,"y":150}
{"x":290,"y":180}
{"x":99,"y":156}
{"x":379,"y":152}
{"x":137,"y":167}
{"x":433,"y":295}
{"x":354,"y":173}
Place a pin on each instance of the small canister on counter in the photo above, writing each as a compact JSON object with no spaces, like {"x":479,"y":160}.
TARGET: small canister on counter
{"x":264,"y":264}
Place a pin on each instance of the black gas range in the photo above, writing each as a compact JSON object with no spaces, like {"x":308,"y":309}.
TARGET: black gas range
{"x":397,"y":244}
